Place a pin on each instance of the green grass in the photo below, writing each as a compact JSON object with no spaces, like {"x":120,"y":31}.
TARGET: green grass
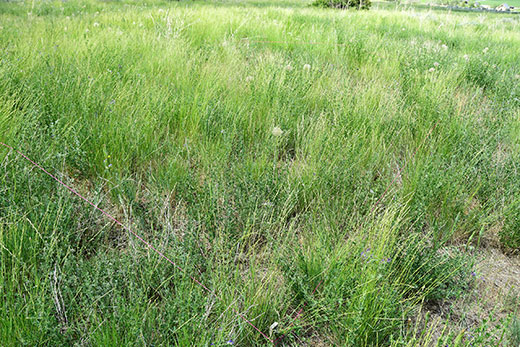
{"x":495,"y":3}
{"x":163,"y":114}
{"x":492,"y":3}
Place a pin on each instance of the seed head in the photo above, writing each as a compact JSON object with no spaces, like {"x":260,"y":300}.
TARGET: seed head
{"x":277,"y":131}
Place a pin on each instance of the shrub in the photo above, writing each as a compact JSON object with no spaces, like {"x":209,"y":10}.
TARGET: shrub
{"x":343,"y":4}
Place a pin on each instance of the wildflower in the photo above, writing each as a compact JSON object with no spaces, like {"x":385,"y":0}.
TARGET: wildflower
{"x":229,"y":342}
{"x":307,"y":67}
{"x":466,"y":57}
{"x":365,"y":251}
{"x":444,"y":46}
{"x":249,"y":79}
{"x":86,"y":30}
{"x":432,"y":69}
{"x":436,"y":64}
{"x":277,"y":131}
{"x":485,"y":50}
{"x":289,"y":67}
{"x":517,"y":76}
{"x":96,"y":24}
{"x":473,"y":274}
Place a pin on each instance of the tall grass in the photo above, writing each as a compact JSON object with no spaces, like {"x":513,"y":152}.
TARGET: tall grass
{"x":163,"y":114}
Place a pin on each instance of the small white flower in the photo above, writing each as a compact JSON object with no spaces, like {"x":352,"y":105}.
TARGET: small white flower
{"x":432,"y":69}
{"x":485,"y":50}
{"x":86,"y":30}
{"x":249,"y":79}
{"x":277,"y":131}
{"x":307,"y":67}
{"x":466,"y":57}
{"x":96,"y":24}
{"x":517,"y":76}
{"x":289,"y":67}
{"x":436,"y":64}
{"x":444,"y":46}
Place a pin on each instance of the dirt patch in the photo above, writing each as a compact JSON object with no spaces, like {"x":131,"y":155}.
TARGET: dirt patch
{"x":493,"y":298}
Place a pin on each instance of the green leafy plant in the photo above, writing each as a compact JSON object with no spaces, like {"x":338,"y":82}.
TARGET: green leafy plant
{"x":344,"y":4}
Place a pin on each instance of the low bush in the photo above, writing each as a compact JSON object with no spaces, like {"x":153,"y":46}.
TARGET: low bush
{"x":344,"y":4}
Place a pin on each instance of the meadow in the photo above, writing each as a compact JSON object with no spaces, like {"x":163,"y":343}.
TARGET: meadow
{"x":334,"y":177}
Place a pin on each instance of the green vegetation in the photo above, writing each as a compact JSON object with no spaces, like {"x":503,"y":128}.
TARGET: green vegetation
{"x":492,"y":3}
{"x":256,"y":166}
{"x":344,"y":4}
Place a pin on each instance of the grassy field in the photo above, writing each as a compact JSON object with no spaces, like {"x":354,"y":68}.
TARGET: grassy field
{"x":492,"y":3}
{"x":344,"y":189}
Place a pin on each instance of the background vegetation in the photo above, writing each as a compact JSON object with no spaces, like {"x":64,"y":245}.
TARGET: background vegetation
{"x":256,"y":166}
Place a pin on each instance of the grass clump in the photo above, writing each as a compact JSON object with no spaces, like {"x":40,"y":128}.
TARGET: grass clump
{"x":289,"y":157}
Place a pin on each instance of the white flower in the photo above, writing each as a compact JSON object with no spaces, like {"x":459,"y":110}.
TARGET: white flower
{"x":86,"y":30}
{"x":432,"y":69}
{"x":277,"y":131}
{"x":306,"y":67}
{"x":96,"y":24}
{"x":444,"y":46}
{"x":466,"y":57}
{"x":289,"y":67}
{"x":517,"y":76}
{"x":436,"y":64}
{"x":249,"y":79}
{"x":485,"y":50}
